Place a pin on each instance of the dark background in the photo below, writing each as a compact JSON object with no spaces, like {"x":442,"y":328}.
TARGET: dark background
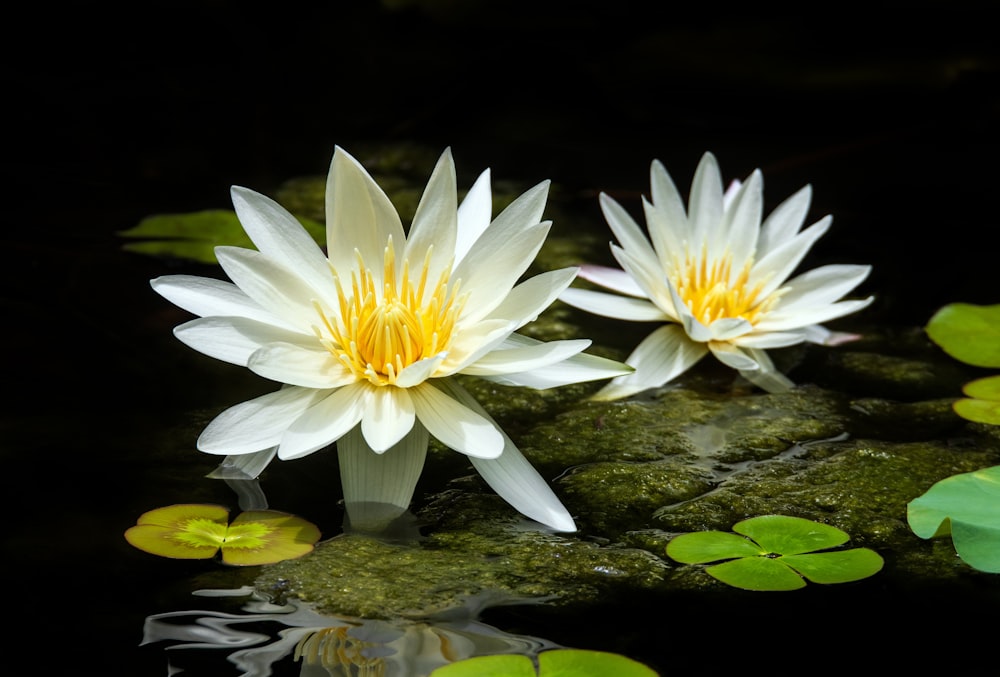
{"x":890,"y":110}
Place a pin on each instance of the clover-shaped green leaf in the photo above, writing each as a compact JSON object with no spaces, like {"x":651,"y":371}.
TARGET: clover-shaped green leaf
{"x":552,"y":663}
{"x":967,"y":506}
{"x":194,"y":236}
{"x":775,"y":552}
{"x":199,"y":531}
{"x":969,"y":333}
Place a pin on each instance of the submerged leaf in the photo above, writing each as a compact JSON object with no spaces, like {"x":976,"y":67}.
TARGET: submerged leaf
{"x":552,"y":663}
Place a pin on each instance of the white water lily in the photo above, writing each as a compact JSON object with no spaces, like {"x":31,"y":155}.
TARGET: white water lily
{"x":367,"y":337}
{"x":716,"y":277}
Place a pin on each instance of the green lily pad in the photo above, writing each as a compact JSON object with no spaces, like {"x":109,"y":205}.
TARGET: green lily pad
{"x":983,"y":402}
{"x":775,"y":552}
{"x":195,"y":235}
{"x":553,"y":663}
{"x":199,"y":531}
{"x":967,"y":506}
{"x":969,"y":333}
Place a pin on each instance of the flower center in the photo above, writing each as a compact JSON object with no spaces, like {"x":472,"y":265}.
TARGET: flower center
{"x":384,"y":327}
{"x":711,"y":291}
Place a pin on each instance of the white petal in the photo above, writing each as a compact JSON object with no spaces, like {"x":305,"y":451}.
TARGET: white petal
{"x":705,"y":202}
{"x":525,"y":357}
{"x":525,"y":211}
{"x":768,"y":340}
{"x":612,"y":278}
{"x":358,"y":215}
{"x":494,"y":264}
{"x":388,"y":417}
{"x":728,"y":328}
{"x":453,"y":424}
{"x":474,"y":215}
{"x":773,"y":269}
{"x":825,"y":337}
{"x":206,"y":296}
{"x":765,"y":376}
{"x":379,"y":487}
{"x":661,"y":357}
{"x":732,"y":356}
{"x":326,"y":421}
{"x":611,"y":305}
{"x":666,"y":218}
{"x":244,"y":466}
{"x":306,"y":366}
{"x":650,"y":280}
{"x":420,"y":371}
{"x":822,"y":285}
{"x":256,"y":424}
{"x":778,"y":321}
{"x":435,"y":223}
{"x":784,"y":221}
{"x":514,"y":479}
{"x":629,"y":234}
{"x":695,"y":330}
{"x":279,"y":236}
{"x":741,"y":221}
{"x":276,"y":288}
{"x":527,"y":300}
{"x":474,"y":342}
{"x":576,"y":368}
{"x":234,"y":339}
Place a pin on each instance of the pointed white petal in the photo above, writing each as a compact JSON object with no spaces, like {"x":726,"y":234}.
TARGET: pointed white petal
{"x":731,"y":356}
{"x":379,"y":487}
{"x":525,"y":357}
{"x":453,"y":424}
{"x":779,"y":263}
{"x":326,"y":421}
{"x":741,"y":222}
{"x":695,"y":330}
{"x":612,"y":278}
{"x":243,"y":466}
{"x":705,"y":202}
{"x":765,"y":376}
{"x":527,"y":300}
{"x":778,"y":321}
{"x":435,"y":223}
{"x":768,"y":340}
{"x":650,"y":280}
{"x":629,"y":234}
{"x":576,"y":368}
{"x":611,"y":305}
{"x":280,"y":237}
{"x":474,"y":215}
{"x":257,"y":424}
{"x":513,"y":478}
{"x":666,"y":218}
{"x":824,"y":337}
{"x":784,"y":222}
{"x":494,"y":264}
{"x":822,"y":285}
{"x":234,"y":339}
{"x":274,"y":287}
{"x":420,"y":371}
{"x":661,"y":357}
{"x":728,"y":328}
{"x":359,"y":215}
{"x":307,"y":366}
{"x":525,"y":211}
{"x":388,"y":417}
{"x":475,"y":342}
{"x":206,"y":296}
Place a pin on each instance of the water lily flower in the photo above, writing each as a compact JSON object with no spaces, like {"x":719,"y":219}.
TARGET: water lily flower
{"x":369,"y":337}
{"x":716,"y":277}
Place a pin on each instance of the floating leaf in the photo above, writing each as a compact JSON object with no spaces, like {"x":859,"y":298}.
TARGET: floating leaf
{"x":775,"y":552}
{"x":967,"y":506}
{"x":199,"y":531}
{"x":983,"y":403}
{"x":553,"y":663}
{"x":195,"y":235}
{"x":969,"y":333}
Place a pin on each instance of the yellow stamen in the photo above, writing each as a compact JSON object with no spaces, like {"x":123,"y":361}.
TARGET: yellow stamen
{"x":378,"y":332}
{"x":711,"y":291}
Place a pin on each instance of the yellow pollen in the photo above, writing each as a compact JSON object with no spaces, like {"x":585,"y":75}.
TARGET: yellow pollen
{"x":711,"y":291}
{"x":380,"y":329}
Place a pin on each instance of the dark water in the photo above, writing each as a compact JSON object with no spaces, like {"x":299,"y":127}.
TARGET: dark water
{"x":896,"y":130}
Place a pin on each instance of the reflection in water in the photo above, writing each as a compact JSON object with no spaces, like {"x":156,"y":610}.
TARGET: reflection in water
{"x":332,"y":646}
